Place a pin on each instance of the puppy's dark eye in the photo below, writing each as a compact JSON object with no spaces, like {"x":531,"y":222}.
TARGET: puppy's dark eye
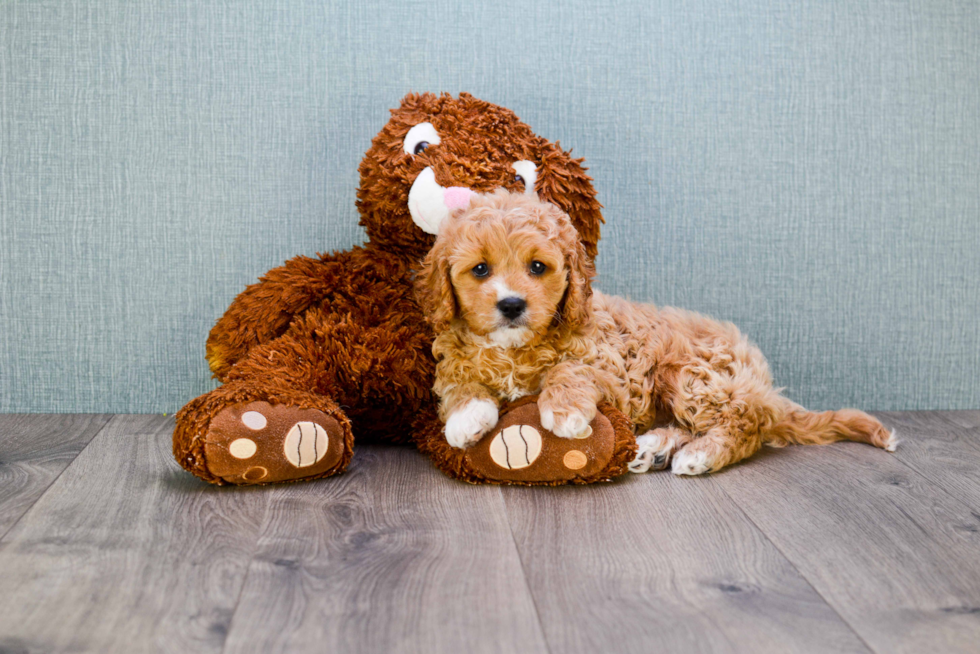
{"x":538,"y":268}
{"x":519,"y":180}
{"x":481,"y":270}
{"x":420,"y":148}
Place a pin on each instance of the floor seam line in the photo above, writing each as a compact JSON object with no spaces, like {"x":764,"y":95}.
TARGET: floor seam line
{"x":795,"y":567}
{"x":520,"y":559}
{"x":248,"y":572}
{"x":105,"y":425}
{"x":921,"y":475}
{"x":238,"y":601}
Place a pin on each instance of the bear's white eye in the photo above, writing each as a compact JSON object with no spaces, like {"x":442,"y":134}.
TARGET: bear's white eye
{"x":528,"y":172}
{"x":420,"y":137}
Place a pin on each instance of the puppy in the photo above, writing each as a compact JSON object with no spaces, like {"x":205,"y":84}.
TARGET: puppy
{"x":507,"y":288}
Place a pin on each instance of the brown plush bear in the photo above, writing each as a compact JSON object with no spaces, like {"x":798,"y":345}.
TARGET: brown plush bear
{"x":321,"y":350}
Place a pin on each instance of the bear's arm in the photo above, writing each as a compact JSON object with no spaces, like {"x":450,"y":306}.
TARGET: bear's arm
{"x":263,"y":311}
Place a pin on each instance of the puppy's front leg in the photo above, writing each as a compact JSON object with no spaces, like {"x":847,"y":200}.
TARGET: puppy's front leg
{"x":568,"y":399}
{"x":470,"y":411}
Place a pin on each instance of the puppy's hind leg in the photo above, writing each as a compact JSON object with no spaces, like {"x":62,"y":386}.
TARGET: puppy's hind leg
{"x":656,"y":447}
{"x":719,"y":447}
{"x":728,"y":400}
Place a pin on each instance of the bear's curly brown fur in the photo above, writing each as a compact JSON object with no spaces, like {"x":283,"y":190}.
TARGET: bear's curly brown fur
{"x":342,"y":333}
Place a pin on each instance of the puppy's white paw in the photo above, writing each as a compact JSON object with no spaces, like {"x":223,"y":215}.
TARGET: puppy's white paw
{"x":571,"y":425}
{"x":653,"y":451}
{"x":547,"y":418}
{"x":687,"y":462}
{"x":468,"y":423}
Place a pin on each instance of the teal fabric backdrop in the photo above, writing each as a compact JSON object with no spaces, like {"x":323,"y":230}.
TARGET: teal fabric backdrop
{"x":809,"y":169}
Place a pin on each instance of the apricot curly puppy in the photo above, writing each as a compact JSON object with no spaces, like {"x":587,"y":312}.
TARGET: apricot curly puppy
{"x":507,"y":290}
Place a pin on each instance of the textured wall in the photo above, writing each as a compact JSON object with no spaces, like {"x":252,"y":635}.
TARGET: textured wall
{"x":808,"y":169}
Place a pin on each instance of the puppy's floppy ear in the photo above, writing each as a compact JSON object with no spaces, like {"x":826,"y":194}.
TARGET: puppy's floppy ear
{"x":434,"y":287}
{"x":575,"y":307}
{"x":563,"y":182}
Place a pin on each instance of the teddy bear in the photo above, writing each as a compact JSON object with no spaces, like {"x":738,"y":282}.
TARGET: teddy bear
{"x":326,"y":350}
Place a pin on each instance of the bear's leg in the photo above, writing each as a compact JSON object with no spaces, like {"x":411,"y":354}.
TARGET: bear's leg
{"x":275,"y":419}
{"x":518,"y":450}
{"x":279,"y":417}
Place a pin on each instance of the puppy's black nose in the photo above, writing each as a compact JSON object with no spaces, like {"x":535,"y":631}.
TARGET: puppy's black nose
{"x":511,"y":307}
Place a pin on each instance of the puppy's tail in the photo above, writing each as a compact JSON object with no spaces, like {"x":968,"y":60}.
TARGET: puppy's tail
{"x":802,"y":427}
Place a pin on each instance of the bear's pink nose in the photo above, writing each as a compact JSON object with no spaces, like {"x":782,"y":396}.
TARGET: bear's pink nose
{"x":457,"y":197}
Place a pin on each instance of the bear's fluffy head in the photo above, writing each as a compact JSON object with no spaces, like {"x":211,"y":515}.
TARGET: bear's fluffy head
{"x":436,"y":146}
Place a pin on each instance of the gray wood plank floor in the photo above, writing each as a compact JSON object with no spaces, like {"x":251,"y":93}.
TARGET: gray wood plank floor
{"x":34,"y":450}
{"x":107,"y":546}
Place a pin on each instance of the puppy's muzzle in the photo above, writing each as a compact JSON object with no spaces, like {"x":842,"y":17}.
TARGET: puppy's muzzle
{"x":512,"y":308}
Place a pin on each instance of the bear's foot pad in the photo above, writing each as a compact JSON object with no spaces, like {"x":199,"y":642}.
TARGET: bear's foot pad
{"x":520,"y":450}
{"x":261,"y":443}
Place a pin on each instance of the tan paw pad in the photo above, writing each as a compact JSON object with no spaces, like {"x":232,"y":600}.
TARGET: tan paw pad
{"x":516,"y":447}
{"x":305,"y":444}
{"x":575,"y":460}
{"x":254,"y":420}
{"x":256,"y":474}
{"x":242,"y":448}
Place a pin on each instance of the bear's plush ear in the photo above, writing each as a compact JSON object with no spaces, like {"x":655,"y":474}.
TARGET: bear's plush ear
{"x":563,"y":182}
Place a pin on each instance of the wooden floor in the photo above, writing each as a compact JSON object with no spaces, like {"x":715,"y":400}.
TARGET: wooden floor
{"x":106,"y":545}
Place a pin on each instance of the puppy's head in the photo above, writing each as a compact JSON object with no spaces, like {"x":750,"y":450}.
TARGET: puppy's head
{"x":509,"y":267}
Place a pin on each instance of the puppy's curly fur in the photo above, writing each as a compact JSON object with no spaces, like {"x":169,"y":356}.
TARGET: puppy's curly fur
{"x":698,"y":392}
